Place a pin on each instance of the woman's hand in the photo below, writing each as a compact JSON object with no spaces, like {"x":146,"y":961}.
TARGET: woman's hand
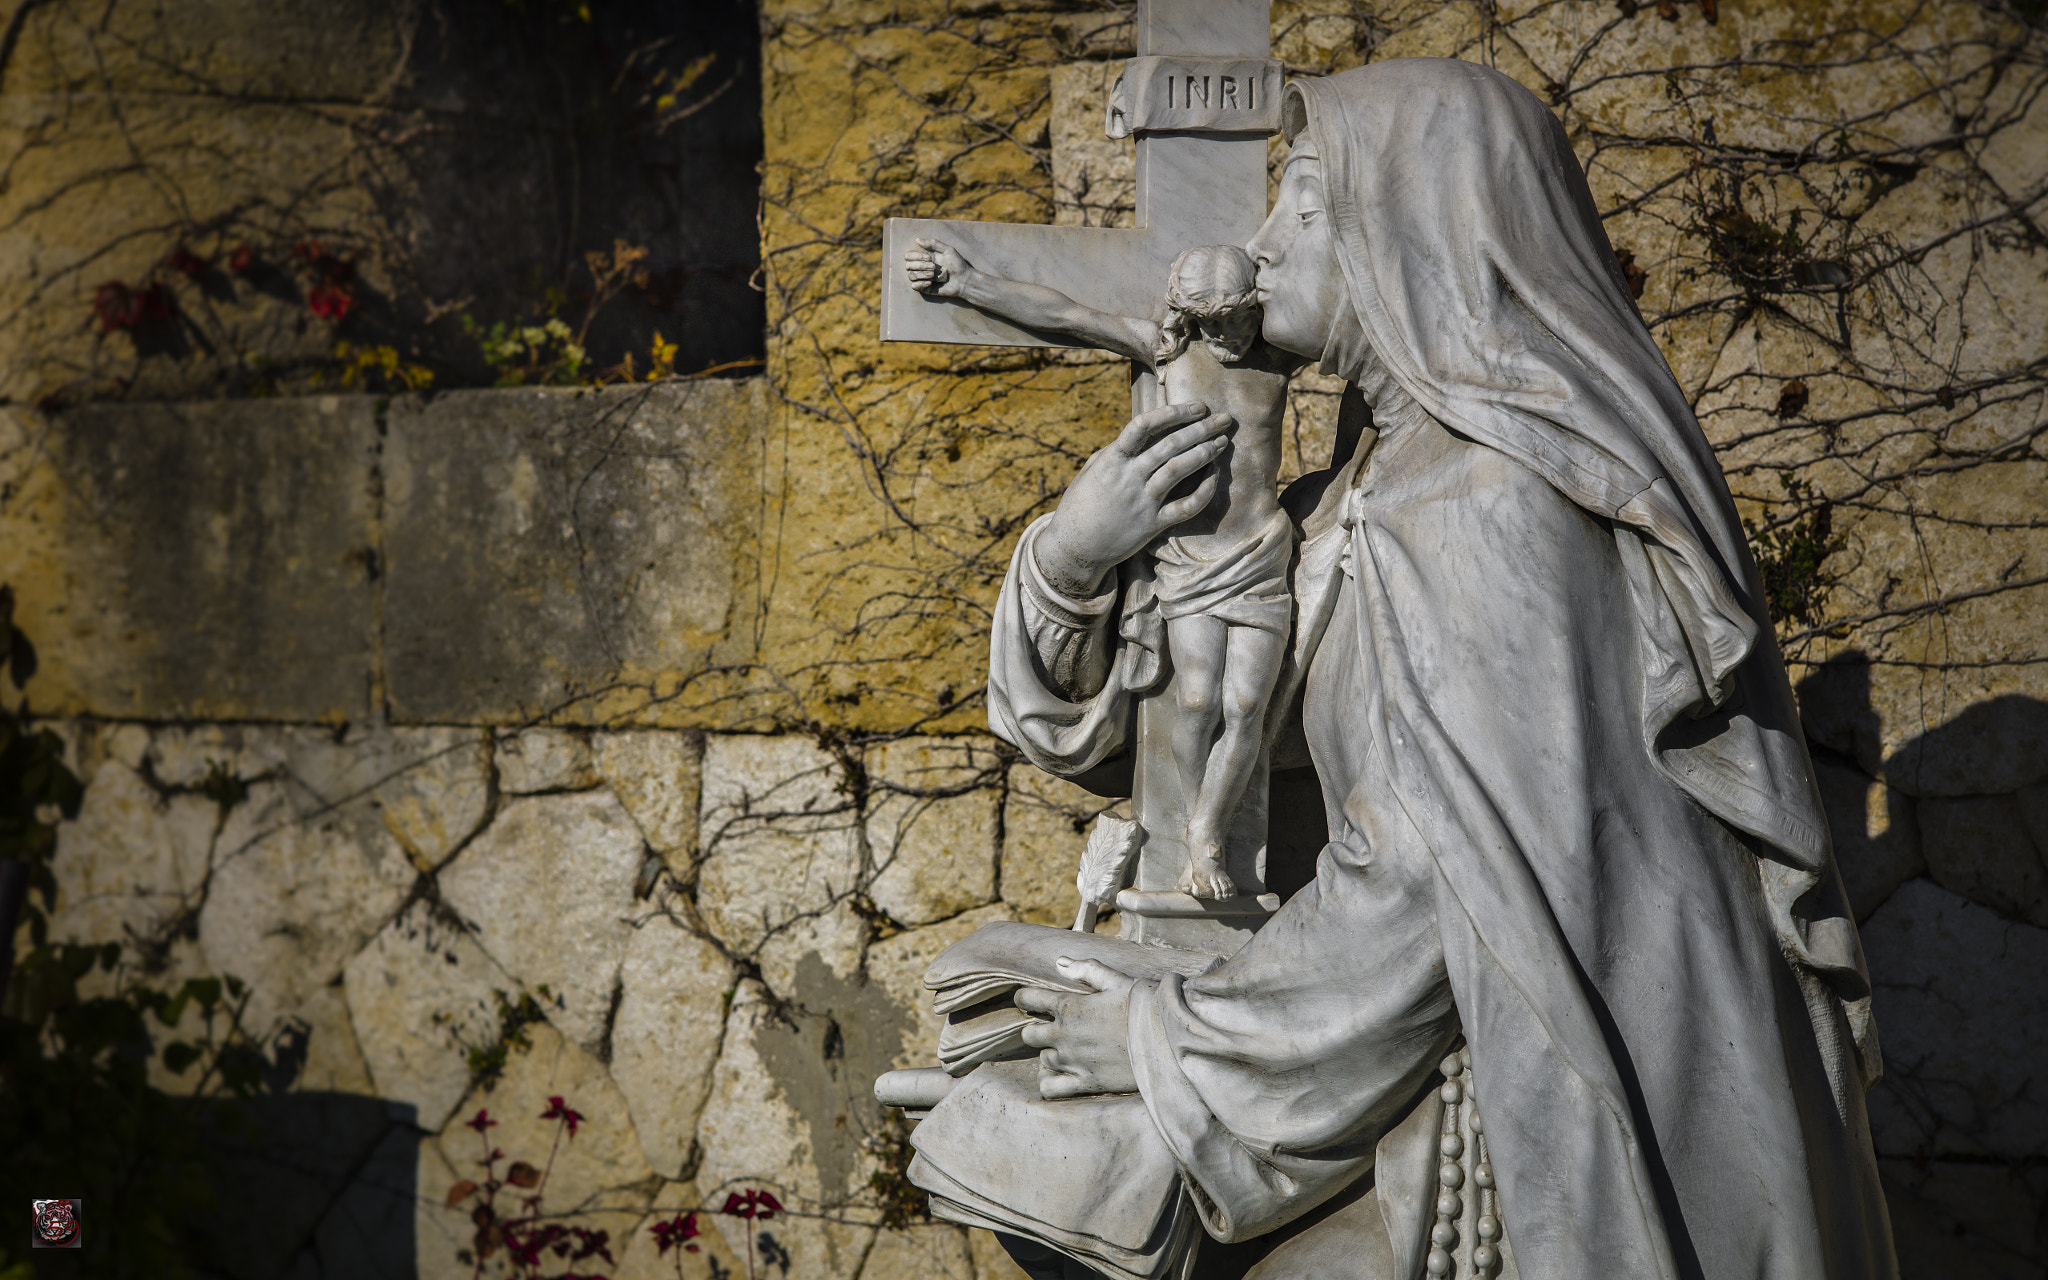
{"x":1084,"y":1047}
{"x":1120,"y":501}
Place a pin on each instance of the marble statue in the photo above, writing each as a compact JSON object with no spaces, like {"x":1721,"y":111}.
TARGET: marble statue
{"x":1218,"y":579}
{"x":1574,"y":991}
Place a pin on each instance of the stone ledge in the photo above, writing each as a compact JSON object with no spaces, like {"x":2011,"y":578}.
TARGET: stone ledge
{"x":207,"y":561}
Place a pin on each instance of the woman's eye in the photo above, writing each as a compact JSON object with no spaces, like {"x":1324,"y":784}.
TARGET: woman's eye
{"x":1309,"y":215}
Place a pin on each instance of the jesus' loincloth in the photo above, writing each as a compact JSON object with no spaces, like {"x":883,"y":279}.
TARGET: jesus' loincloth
{"x":1244,"y":585}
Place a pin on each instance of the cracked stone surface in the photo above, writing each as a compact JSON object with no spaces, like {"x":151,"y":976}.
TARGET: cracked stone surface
{"x":287,"y":910}
{"x":548,"y":887}
{"x":778,"y":843}
{"x":131,"y":860}
{"x":657,"y":776}
{"x":1958,"y":1005}
{"x":666,"y":1036}
{"x":419,"y":994}
{"x":536,"y":760}
{"x":935,"y":855}
{"x":755,"y":1134}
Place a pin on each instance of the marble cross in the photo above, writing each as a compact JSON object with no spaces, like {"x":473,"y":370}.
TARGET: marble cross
{"x":1201,"y":97}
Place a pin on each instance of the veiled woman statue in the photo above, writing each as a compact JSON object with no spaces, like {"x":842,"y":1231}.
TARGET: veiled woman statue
{"x":1572,"y":822}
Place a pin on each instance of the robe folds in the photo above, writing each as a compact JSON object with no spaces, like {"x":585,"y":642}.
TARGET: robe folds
{"x":1571,"y":816}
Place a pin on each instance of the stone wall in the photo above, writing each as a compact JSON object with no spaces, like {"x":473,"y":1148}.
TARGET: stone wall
{"x":659,"y":706}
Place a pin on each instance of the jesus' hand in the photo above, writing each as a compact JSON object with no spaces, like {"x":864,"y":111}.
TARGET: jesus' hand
{"x":936,"y":268}
{"x":1084,"y":1044}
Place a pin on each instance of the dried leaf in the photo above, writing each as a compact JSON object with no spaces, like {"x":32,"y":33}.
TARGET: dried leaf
{"x":461,"y":1191}
{"x":522,"y":1174}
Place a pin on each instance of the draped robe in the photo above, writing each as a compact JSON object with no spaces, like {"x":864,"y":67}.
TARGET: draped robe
{"x":1571,"y":818}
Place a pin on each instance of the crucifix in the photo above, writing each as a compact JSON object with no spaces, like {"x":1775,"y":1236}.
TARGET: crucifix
{"x":1201,"y":97}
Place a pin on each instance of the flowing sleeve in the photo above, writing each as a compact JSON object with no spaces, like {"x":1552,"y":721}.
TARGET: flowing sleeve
{"x":1062,"y":670}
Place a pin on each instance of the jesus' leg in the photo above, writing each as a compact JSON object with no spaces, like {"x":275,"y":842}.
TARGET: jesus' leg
{"x":1251,"y":665}
{"x":1197,"y":645}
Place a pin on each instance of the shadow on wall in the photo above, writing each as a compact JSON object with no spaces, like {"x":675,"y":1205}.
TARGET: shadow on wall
{"x":1942,"y":843}
{"x":309,"y":1184}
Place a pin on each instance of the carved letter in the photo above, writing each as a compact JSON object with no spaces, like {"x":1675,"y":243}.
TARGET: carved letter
{"x":1227,"y":91}
{"x":1189,"y":90}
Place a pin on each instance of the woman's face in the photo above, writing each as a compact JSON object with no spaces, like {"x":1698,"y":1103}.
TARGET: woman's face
{"x":1301,"y":285}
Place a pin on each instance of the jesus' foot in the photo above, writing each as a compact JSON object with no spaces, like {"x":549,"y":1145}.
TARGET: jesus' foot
{"x":1204,"y":876}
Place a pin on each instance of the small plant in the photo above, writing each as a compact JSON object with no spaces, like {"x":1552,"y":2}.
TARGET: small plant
{"x":487,"y":1061}
{"x":527,"y":1237}
{"x":375,"y":368}
{"x":332,"y":294}
{"x":1792,"y":557}
{"x":757,"y":1207}
{"x":539,"y":355}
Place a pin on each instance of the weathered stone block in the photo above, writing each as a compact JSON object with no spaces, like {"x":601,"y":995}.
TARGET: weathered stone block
{"x":1045,"y":827}
{"x":600,"y":1168}
{"x":759,"y":1130}
{"x":931,"y":827}
{"x":538,"y":760}
{"x":1980,"y":848}
{"x":548,"y":886}
{"x":199,"y":561}
{"x":1876,"y":835}
{"x":673,"y":988}
{"x":419,"y":995}
{"x":572,"y":554}
{"x":657,"y":775}
{"x":779,"y":839}
{"x":936,"y":1252}
{"x":1958,"y":1002}
{"x":131,"y":860}
{"x":293,"y":897}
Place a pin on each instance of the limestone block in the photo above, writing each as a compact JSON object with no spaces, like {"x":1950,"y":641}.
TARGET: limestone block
{"x":1958,"y":1001}
{"x":573,"y":540}
{"x":657,"y":775}
{"x":673,"y":988}
{"x":600,"y":1168}
{"x":934,"y":854}
{"x":1045,"y":827}
{"x":440,"y":1231}
{"x":937,"y":1252}
{"x":321,"y":1039}
{"x":430,"y":788}
{"x":536,"y":760}
{"x":130,"y":861}
{"x":1979,"y":847}
{"x":897,"y":966}
{"x":826,"y":941}
{"x":548,"y":887}
{"x":779,"y":839}
{"x":419,"y":995}
{"x":757,"y":1132}
{"x":286,"y":909}
{"x":1951,"y":1218}
{"x":199,"y":561}
{"x":1876,"y":835}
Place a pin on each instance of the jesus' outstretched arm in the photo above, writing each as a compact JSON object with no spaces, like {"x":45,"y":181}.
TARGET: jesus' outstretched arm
{"x":943,"y":272}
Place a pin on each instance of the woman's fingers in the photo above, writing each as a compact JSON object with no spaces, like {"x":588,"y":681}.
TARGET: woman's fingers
{"x":1039,"y":1035}
{"x":1093,"y":974}
{"x":1038,"y":1001}
{"x":1184,"y":509}
{"x":1182,"y":465}
{"x":1210,"y":427}
{"x":1140,"y":433}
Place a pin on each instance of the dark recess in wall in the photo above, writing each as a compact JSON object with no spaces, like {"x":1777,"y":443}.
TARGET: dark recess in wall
{"x":563,"y":128}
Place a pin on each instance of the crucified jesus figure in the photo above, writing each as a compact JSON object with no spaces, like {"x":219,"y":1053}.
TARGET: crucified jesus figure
{"x":1222,"y":577}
